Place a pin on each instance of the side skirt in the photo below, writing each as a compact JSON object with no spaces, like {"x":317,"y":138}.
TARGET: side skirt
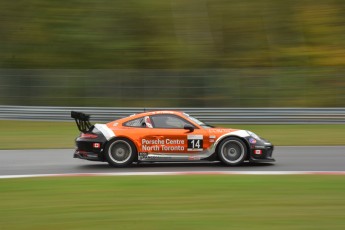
{"x":163,"y":157}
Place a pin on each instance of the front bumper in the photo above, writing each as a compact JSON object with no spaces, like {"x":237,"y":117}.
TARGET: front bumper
{"x":261,"y":152}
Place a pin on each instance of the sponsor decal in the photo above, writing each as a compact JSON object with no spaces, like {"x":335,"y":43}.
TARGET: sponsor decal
{"x":88,"y":135}
{"x":194,"y":158}
{"x":212,"y":137}
{"x":96,"y":145}
{"x":252,"y":140}
{"x":143,"y":155}
{"x":162,"y":145}
{"x":220,"y":130}
{"x":240,"y":133}
{"x":115,"y":124}
{"x":258,"y":151}
{"x":195,"y":142}
{"x":152,"y":157}
{"x":162,"y":112}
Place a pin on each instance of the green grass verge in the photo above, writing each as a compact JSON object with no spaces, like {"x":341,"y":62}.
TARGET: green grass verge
{"x":174,"y":202}
{"x":299,"y":134}
{"x":37,"y":134}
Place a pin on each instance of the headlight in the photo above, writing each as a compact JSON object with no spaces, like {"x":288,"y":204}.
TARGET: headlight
{"x":253,"y":135}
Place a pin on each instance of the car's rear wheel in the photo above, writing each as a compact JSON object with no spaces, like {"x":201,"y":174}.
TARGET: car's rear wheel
{"x":232,"y":151}
{"x":120,"y":152}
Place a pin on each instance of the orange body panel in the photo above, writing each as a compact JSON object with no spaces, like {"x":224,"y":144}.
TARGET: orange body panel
{"x":167,"y":140}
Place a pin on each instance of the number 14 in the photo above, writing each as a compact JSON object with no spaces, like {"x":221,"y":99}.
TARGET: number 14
{"x":195,"y":144}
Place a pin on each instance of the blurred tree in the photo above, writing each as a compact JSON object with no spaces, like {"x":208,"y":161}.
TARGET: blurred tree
{"x":202,"y":46}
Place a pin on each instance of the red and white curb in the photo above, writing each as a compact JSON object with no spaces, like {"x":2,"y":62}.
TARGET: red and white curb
{"x":179,"y":173}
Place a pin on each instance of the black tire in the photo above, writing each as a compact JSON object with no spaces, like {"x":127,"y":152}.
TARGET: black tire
{"x":232,"y":151}
{"x":120,"y":152}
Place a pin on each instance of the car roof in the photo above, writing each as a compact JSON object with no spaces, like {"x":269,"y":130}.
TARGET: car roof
{"x":150,"y":113}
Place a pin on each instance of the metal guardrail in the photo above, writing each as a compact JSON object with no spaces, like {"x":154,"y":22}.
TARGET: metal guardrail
{"x":208,"y":115}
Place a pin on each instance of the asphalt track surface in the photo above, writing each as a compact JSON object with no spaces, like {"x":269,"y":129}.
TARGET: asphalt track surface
{"x":61,"y":161}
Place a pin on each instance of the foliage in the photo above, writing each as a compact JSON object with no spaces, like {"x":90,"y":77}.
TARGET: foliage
{"x":292,"y":51}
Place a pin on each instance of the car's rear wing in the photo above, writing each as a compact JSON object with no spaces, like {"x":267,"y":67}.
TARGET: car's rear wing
{"x":82,"y":120}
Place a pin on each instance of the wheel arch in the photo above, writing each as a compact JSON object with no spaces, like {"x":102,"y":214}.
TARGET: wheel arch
{"x":232,"y":135}
{"x":123,"y":137}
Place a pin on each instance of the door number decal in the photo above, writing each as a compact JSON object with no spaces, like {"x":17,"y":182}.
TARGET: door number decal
{"x":195,"y":142}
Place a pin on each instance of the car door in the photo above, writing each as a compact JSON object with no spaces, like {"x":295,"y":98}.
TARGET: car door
{"x":168,"y":136}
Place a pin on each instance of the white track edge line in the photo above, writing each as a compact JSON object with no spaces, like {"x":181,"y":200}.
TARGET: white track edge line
{"x":179,"y":173}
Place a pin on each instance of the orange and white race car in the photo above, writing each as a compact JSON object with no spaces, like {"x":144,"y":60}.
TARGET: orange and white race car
{"x":172,"y":136}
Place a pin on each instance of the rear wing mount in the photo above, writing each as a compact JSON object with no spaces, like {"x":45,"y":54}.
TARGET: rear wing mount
{"x":82,"y":120}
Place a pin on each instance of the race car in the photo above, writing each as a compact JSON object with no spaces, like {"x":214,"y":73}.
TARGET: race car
{"x":166,"y":136}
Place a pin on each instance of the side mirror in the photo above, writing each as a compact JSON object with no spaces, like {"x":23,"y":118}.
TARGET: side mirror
{"x":189,"y":127}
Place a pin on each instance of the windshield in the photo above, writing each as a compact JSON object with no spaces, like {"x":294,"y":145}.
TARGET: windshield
{"x":202,"y":124}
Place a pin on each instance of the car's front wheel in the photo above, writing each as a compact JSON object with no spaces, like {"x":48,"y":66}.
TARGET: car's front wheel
{"x":120,"y":152}
{"x":232,"y":151}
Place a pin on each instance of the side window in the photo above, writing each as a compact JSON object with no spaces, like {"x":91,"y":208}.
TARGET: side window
{"x":139,"y":122}
{"x":169,"y":122}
